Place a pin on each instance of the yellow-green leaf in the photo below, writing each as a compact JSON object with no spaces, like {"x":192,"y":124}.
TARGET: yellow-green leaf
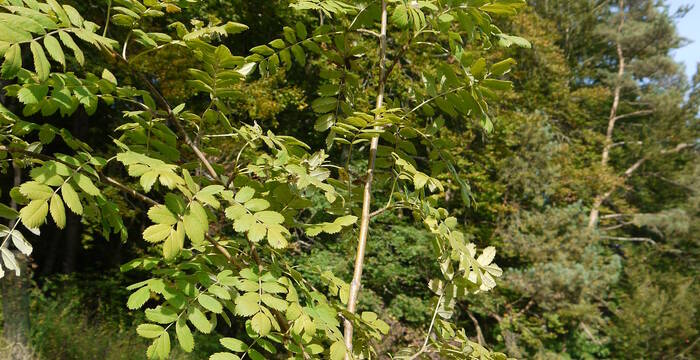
{"x":149,"y":331}
{"x":41,"y":63}
{"x":58,"y":212}
{"x":34,"y":214}
{"x":184,"y":335}
{"x":53,"y":47}
{"x":261,"y":324}
{"x":71,"y":198}
{"x":160,"y":214}
{"x":138,"y":298}
{"x":156,"y":233}
{"x":257,"y":232}
{"x":210,"y":303}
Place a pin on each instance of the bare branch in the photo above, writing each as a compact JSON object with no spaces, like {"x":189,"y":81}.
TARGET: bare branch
{"x":479,"y":335}
{"x":633,"y":239}
{"x":635,"y":113}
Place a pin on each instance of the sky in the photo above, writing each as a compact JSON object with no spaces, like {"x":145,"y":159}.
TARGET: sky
{"x":689,"y":28}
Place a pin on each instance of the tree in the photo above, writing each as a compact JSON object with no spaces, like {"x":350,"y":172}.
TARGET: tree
{"x":200,"y":171}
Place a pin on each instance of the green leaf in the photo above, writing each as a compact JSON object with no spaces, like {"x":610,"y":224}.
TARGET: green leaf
{"x":13,"y":61}
{"x":12,"y":34}
{"x":60,"y":12}
{"x":161,"y":315}
{"x":235,"y":211}
{"x":257,"y":204}
{"x":263,"y":50}
{"x":21,"y":23}
{"x":32,"y":94}
{"x":174,"y":242}
{"x":478,"y":69}
{"x":338,"y":350}
{"x":243,"y":223}
{"x":107,"y":75}
{"x":160,"y":214}
{"x":269,"y":217}
{"x":200,"y":321}
{"x":35,"y":191}
{"x":73,"y":15}
{"x":160,"y":349}
{"x":138,"y":298}
{"x":273,"y":302}
{"x":261,"y":324}
{"x":224,"y":356}
{"x":34,"y":214}
{"x":324,"y":104}
{"x":8,"y":212}
{"x":149,"y":331}
{"x":69,"y":43}
{"x":184,"y":335}
{"x":301,"y":30}
{"x":86,"y":184}
{"x":41,"y":63}
{"x":346,"y":220}
{"x":157,"y":233}
{"x":220,"y":292}
{"x":58,"y":212}
{"x":53,"y":47}
{"x":257,"y":232}
{"x":193,"y":228}
{"x":244,"y":194}
{"x":233,"y":344}
{"x":497,"y":84}
{"x":502,"y":67}
{"x":277,"y":44}
{"x":210,"y":303}
{"x":247,"y":304}
{"x":276,"y":238}
{"x":71,"y":198}
{"x":419,"y":180}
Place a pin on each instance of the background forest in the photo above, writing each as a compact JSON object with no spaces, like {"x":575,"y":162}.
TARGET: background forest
{"x":588,"y":186}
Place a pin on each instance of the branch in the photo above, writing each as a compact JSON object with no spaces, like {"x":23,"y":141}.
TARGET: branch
{"x":424,"y":348}
{"x":635,"y":113}
{"x":479,"y":334}
{"x":634,"y":239}
{"x":176,"y":122}
{"x":620,"y":143}
{"x":613,"y":227}
{"x":598,"y":202}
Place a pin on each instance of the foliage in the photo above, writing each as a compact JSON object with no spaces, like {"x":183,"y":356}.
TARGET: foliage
{"x":200,"y":171}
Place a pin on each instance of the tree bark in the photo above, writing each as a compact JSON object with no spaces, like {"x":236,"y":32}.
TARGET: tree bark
{"x":367,"y":194}
{"x":14,"y":292}
{"x":598,"y":201}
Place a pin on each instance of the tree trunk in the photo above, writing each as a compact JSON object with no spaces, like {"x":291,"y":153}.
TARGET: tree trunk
{"x":367,"y":194}
{"x":15,"y":309}
{"x":72,"y":245}
{"x":14,"y":292}
{"x":598,"y":202}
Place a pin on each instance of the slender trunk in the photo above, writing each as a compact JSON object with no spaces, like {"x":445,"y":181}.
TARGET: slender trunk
{"x":15,"y":298}
{"x":598,"y":202}
{"x":72,"y":243}
{"x":367,"y":194}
